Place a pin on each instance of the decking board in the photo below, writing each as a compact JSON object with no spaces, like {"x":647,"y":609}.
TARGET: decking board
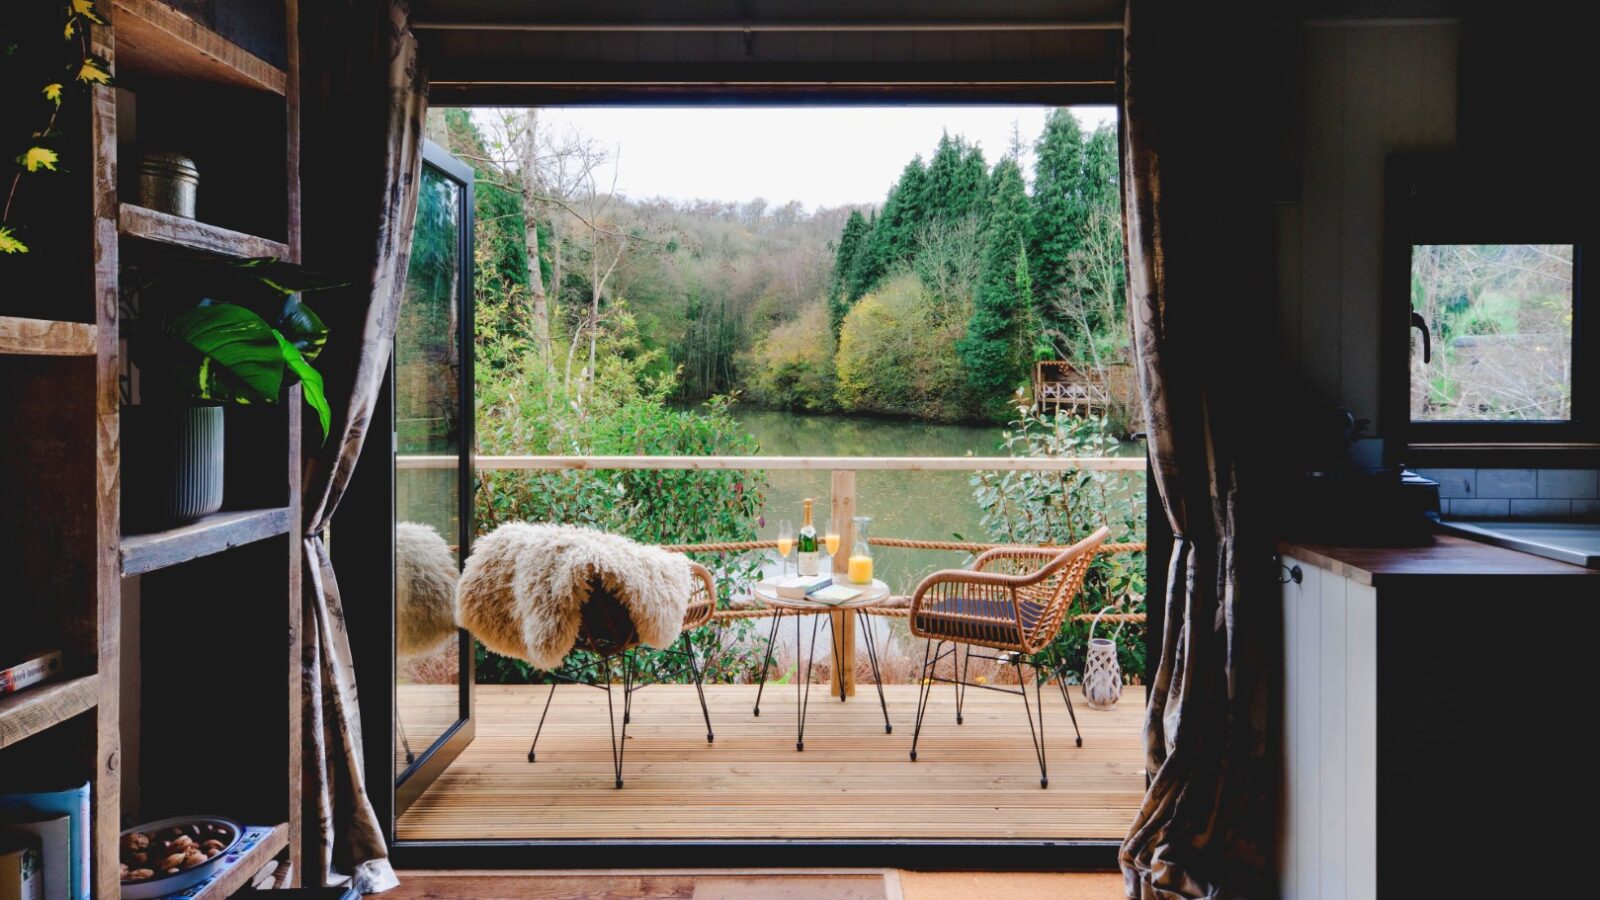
{"x":974,"y":781}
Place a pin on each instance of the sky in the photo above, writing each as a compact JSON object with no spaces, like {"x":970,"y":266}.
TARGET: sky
{"x":820,"y":156}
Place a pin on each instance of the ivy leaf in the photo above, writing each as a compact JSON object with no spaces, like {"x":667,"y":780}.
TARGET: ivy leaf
{"x":9,"y":242}
{"x":86,"y":9}
{"x":38,"y":158}
{"x":93,"y":71}
{"x":52,"y":92}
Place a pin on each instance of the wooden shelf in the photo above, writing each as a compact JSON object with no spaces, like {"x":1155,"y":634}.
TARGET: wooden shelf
{"x":45,"y":337}
{"x":213,"y":534}
{"x":246,"y":868}
{"x":155,"y":39}
{"x":176,"y":231}
{"x":32,"y":710}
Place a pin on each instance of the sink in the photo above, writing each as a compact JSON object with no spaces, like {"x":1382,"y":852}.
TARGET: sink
{"x":1569,"y":542}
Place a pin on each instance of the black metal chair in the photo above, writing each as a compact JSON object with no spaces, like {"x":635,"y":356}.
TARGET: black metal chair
{"x":608,"y":632}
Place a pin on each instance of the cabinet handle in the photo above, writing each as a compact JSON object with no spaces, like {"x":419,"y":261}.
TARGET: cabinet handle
{"x":1291,"y":573}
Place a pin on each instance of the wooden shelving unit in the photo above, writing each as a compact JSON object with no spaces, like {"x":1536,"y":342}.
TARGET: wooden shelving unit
{"x":215,"y":533}
{"x":45,"y":337}
{"x":217,"y":610}
{"x":28,"y":712}
{"x":188,"y":234}
{"x":155,"y":38}
{"x":239,"y":876}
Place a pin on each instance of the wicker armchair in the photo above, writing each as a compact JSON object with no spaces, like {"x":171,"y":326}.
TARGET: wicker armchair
{"x":608,"y":632}
{"x":1014,"y":600}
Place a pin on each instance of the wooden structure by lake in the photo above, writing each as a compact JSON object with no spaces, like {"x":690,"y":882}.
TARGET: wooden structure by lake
{"x":1060,"y":386}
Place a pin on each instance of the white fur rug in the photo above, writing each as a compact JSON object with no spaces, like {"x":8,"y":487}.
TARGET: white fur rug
{"x":524,"y":587}
{"x":425,"y":590}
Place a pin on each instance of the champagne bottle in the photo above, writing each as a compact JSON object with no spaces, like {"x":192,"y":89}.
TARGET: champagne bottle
{"x":807,"y":543}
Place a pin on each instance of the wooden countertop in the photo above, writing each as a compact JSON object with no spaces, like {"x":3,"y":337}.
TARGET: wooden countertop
{"x":1446,"y":556}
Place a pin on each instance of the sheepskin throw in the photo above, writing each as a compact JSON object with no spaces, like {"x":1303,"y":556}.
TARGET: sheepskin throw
{"x":425,"y":590}
{"x":524,"y":587}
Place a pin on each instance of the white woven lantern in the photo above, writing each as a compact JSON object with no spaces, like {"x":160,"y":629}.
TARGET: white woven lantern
{"x":1102,"y":676}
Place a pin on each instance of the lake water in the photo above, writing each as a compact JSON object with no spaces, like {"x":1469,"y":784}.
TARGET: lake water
{"x":917,"y":505}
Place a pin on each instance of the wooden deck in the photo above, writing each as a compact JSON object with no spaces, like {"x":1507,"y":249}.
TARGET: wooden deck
{"x":978,"y":780}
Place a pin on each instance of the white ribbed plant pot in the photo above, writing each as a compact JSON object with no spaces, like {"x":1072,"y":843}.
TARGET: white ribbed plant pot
{"x":1102,"y":676}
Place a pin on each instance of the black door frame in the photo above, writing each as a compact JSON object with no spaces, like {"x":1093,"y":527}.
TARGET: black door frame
{"x":375,"y":656}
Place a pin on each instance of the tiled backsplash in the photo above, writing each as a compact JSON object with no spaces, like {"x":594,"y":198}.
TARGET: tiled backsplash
{"x":1517,"y":493}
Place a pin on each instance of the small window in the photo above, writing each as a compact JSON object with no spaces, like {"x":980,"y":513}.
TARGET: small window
{"x":1498,"y":344}
{"x":1488,"y":358}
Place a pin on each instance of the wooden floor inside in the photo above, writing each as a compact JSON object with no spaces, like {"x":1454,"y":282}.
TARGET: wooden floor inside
{"x":978,"y":780}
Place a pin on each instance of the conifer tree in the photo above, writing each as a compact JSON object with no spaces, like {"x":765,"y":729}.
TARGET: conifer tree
{"x":995,"y":349}
{"x":904,"y":211}
{"x":1060,"y":205}
{"x":850,"y":240}
{"x":956,"y":181}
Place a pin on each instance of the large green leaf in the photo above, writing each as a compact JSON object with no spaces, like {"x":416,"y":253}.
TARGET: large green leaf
{"x":285,"y":276}
{"x":303,"y":328}
{"x":310,"y":381}
{"x":244,"y":361}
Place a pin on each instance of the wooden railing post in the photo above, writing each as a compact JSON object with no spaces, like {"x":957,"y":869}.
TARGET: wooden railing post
{"x":843,"y":681}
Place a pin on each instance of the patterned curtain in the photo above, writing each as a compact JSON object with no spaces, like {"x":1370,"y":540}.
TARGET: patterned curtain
{"x":362,"y":120}
{"x":1195,"y":248}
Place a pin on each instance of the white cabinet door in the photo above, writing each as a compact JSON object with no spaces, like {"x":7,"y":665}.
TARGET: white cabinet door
{"x":1328,"y":836}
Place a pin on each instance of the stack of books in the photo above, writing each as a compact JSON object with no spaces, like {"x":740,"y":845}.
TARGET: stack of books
{"x":44,"y":845}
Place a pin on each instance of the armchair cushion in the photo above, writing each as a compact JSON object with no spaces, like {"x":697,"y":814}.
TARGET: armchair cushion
{"x":975,"y":620}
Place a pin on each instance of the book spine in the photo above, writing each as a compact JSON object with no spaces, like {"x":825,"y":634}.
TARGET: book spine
{"x":30,"y":672}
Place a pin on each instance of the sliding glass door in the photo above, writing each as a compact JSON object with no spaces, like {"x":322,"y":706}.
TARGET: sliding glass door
{"x":433,"y":412}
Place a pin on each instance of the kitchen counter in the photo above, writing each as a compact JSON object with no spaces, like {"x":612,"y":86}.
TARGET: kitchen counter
{"x":1446,"y":556}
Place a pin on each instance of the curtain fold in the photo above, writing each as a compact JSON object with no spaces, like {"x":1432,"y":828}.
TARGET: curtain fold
{"x":1199,"y":262}
{"x":362,"y":110}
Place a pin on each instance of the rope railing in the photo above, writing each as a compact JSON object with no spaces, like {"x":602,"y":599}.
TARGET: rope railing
{"x":897,"y":606}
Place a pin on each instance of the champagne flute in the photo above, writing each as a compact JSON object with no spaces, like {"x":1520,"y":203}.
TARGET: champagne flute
{"x":830,"y":537}
{"x":785,"y":544}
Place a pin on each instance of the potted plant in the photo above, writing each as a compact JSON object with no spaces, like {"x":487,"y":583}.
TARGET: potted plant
{"x":211,"y":332}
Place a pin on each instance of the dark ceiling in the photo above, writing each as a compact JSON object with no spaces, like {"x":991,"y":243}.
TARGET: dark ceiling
{"x":777,"y":51}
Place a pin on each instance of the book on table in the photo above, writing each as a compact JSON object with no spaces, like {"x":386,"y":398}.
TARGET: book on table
{"x":834,"y":594}
{"x":798,"y":587}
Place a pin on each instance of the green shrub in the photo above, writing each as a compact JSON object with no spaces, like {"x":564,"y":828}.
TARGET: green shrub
{"x":1032,"y":507}
{"x":897,"y":355}
{"x":526,"y":407}
{"x":792,"y":367}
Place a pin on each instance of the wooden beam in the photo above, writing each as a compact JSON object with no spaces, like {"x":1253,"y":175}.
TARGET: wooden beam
{"x":754,"y":26}
{"x":45,"y":337}
{"x":843,"y":680}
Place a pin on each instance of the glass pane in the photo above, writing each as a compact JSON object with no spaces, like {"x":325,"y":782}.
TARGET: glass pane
{"x":427,"y":372}
{"x":1500,"y":316}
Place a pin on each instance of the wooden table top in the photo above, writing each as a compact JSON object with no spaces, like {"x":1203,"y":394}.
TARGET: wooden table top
{"x":871,"y":595}
{"x":1446,"y":556}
